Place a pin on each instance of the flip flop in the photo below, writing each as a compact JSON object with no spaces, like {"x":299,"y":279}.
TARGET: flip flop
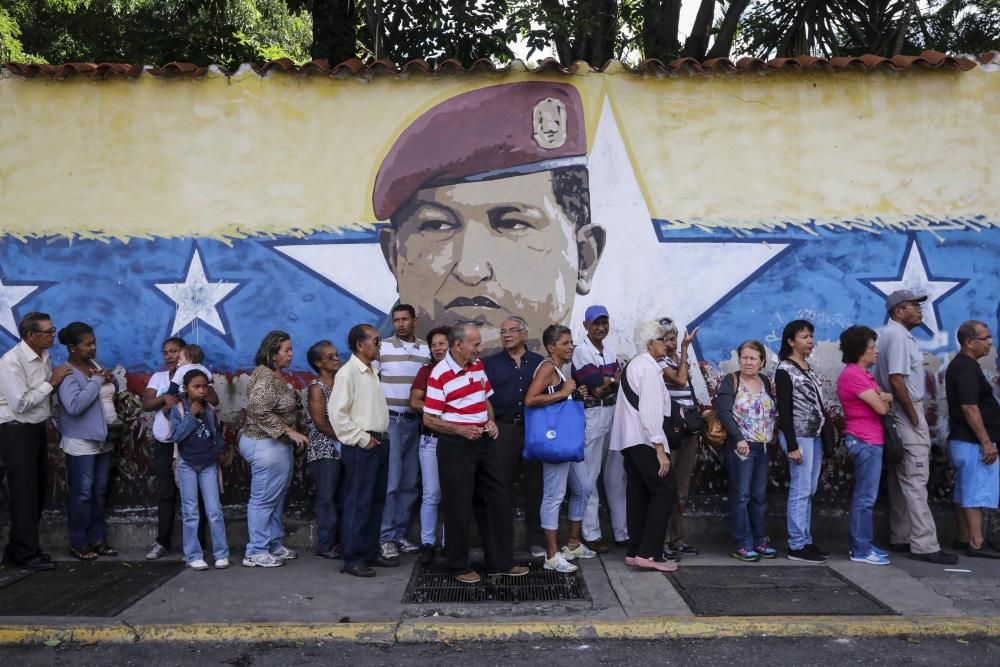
{"x":102,"y":549}
{"x":83,"y":554}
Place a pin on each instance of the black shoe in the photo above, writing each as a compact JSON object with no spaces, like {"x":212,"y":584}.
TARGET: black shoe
{"x":805,"y":555}
{"x":384,"y":562}
{"x":426,"y":554}
{"x":686,"y":549}
{"x":984,"y":551}
{"x":621,"y":544}
{"x":959,"y":545}
{"x":672,"y":554}
{"x":816,"y":551}
{"x":37,"y":564}
{"x":358,"y":570}
{"x":899,"y":548}
{"x":332,"y":554}
{"x":938,"y":558}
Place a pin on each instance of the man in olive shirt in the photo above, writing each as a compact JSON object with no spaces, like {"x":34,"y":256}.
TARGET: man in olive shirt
{"x":973,"y":433}
{"x":359,"y":415}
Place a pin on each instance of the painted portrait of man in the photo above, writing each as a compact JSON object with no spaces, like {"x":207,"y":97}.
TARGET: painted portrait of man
{"x":488,"y":202}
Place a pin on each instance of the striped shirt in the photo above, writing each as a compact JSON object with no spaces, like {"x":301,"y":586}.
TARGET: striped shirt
{"x":591,"y":366}
{"x":678,"y":392}
{"x":399,"y":363}
{"x":458,"y":395}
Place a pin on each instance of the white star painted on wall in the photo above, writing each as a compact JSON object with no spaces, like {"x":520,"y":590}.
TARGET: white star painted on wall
{"x":914,"y":276}
{"x":10,"y":296}
{"x":197,"y":298}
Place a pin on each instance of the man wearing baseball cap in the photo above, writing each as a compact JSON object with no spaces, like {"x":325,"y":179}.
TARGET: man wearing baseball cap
{"x":900,"y":370}
{"x":488,"y":203}
{"x":596,"y":366}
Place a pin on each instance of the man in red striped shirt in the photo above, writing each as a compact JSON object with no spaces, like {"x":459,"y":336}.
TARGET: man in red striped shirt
{"x":468,"y":463}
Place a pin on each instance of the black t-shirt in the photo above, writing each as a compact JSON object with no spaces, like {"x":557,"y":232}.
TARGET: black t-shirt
{"x":966,"y":384}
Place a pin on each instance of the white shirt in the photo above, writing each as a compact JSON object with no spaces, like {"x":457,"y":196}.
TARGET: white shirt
{"x":181,"y":371}
{"x":643,"y":426}
{"x":25,"y":393}
{"x":160,"y":382}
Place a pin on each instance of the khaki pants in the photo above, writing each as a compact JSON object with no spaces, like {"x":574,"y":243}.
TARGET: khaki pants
{"x":682,"y":462}
{"x":910,"y":518}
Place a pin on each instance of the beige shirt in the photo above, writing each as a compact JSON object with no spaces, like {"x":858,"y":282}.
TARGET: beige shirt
{"x":357,"y":404}
{"x":25,"y":394}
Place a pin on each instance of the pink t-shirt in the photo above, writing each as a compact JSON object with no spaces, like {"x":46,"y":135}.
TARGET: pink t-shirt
{"x":860,"y":420}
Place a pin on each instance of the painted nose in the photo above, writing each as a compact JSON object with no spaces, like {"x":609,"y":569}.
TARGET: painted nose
{"x":473,"y":266}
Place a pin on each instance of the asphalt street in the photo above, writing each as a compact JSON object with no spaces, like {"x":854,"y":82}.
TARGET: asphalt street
{"x":745,"y":651}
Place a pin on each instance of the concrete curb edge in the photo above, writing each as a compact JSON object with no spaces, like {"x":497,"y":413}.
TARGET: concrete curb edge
{"x":419,"y":630}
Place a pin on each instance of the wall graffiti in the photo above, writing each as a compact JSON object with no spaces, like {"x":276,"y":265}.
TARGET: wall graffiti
{"x":529,"y":197}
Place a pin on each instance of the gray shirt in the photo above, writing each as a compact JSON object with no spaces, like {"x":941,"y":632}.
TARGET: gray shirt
{"x":898,"y":354}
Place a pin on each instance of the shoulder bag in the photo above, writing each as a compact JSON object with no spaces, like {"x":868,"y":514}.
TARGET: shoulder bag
{"x":892,"y":448}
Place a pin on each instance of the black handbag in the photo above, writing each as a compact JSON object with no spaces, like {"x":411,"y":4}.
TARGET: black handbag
{"x":892,"y":448}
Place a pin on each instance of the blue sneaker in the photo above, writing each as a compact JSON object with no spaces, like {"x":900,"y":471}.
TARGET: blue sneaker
{"x":766,"y":551}
{"x":746,"y":555}
{"x":871,"y":558}
{"x":880,"y":552}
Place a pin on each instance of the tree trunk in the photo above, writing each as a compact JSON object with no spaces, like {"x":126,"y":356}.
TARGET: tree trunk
{"x":335,"y":32}
{"x":660,"y":23}
{"x":724,"y":40}
{"x":697,"y":42}
{"x":904,"y":25}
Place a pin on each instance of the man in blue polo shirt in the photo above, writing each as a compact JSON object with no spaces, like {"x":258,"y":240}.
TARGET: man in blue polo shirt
{"x":596,"y":366}
{"x":510,"y":372}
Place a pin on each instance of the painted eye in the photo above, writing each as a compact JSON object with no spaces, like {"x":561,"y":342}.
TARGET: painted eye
{"x":437,"y":225}
{"x":511,"y":225}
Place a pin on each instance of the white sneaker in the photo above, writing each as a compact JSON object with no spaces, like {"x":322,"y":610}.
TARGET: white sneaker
{"x":389,"y":550}
{"x":156,"y":551}
{"x":582,"y":551}
{"x":538,"y":552}
{"x":405,"y":546}
{"x":221,"y":563}
{"x":284,"y":553}
{"x":262,"y":560}
{"x":198,"y":565}
{"x":559,"y":564}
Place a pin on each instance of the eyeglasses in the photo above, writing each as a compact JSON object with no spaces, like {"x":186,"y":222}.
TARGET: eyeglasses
{"x":512,"y":332}
{"x":47,"y":332}
{"x":662,"y":340}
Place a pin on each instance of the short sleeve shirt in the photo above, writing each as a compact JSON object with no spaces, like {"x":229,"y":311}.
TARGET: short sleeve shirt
{"x":458,"y":395}
{"x":859,"y":419}
{"x":898,"y":354}
{"x":966,"y":384}
{"x":160,"y":382}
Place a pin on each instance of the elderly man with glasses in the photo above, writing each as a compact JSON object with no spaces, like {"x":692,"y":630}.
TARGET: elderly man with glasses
{"x":26,"y":385}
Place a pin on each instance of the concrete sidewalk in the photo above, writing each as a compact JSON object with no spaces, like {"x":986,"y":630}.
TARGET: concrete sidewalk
{"x":309,"y":599}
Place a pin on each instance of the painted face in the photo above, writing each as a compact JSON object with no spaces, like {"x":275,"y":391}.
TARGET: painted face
{"x":598,"y":329}
{"x":870,"y":356}
{"x":671,"y":343}
{"x":283,"y":357}
{"x":329,"y":359}
{"x":171,"y":353}
{"x":803,"y":342}
{"x":750,"y":361}
{"x":439,"y":346}
{"x":479,"y":252}
{"x":86,"y":349}
{"x":402,"y":324}
{"x":562,"y":350}
{"x":197,"y":389}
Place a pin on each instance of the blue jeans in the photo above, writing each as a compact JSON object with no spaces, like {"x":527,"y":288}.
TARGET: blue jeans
{"x":867,"y":471}
{"x":431,"y":497}
{"x":270,"y":474}
{"x":365,"y":474}
{"x":191,"y":483}
{"x":87,"y":479}
{"x":326,"y":475}
{"x":554,"y":478}
{"x":802,"y":488}
{"x":404,"y":464}
{"x":747,"y":496}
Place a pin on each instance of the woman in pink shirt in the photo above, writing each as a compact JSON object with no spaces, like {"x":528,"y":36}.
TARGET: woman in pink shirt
{"x":864,"y":403}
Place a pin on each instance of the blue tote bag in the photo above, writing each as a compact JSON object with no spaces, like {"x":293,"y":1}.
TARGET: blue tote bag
{"x":554,"y":433}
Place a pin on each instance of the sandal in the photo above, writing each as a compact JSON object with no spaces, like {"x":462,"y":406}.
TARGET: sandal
{"x":83,"y":554}
{"x":103,"y":549}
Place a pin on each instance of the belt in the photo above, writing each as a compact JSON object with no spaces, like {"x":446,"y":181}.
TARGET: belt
{"x":516,"y":421}
{"x":411,"y":416}
{"x":381,"y":437}
{"x":599,"y":402}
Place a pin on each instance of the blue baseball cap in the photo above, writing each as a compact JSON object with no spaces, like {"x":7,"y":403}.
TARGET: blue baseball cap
{"x":593,"y":312}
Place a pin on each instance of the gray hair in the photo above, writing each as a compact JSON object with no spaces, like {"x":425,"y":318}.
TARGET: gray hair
{"x":517,"y":318}
{"x":646,"y":331}
{"x":459,"y":331}
{"x":669,"y":325}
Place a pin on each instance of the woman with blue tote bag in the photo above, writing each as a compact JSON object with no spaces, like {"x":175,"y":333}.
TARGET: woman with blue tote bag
{"x":554,"y":434}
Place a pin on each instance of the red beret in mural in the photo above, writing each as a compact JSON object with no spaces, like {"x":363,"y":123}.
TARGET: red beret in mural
{"x":489,"y":133}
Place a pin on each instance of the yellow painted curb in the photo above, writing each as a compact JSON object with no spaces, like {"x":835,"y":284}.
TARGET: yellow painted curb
{"x":418,"y":630}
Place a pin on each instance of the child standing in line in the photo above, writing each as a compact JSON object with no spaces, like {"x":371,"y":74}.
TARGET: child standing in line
{"x":190,"y":358}
{"x":195,"y":430}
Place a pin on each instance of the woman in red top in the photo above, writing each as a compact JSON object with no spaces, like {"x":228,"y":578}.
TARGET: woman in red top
{"x":437,"y":339}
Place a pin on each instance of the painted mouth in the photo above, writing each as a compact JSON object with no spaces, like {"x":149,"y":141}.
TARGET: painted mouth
{"x":474,"y":302}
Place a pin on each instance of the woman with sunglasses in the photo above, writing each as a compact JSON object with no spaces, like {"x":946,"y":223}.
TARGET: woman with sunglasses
{"x":323,"y":450}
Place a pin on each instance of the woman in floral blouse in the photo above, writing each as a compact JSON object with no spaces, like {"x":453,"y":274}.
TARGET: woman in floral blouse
{"x":323,"y":450}
{"x":272,"y":413}
{"x":747,"y":409}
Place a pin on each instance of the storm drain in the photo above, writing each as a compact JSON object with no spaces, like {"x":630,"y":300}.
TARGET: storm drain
{"x":102,"y":588}
{"x":776,"y":590}
{"x":434,"y":584}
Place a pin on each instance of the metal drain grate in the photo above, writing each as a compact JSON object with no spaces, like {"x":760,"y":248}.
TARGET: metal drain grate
{"x":102,"y":588}
{"x":776,"y":590}
{"x":434,"y":584}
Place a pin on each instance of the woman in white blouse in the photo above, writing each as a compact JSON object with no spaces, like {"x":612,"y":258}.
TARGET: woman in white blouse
{"x":638,"y":434}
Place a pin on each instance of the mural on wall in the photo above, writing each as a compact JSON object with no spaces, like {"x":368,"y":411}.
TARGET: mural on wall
{"x":528,"y":197}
